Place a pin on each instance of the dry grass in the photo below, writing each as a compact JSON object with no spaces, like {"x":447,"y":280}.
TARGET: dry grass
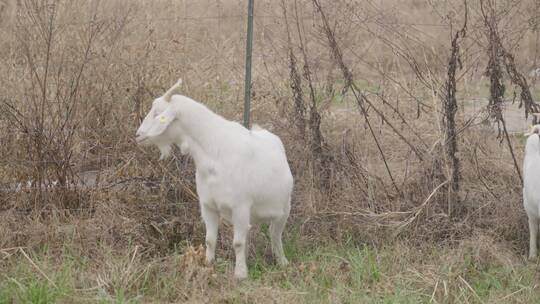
{"x":110,"y":222}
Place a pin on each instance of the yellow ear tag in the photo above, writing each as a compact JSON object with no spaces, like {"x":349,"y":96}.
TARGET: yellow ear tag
{"x":162,"y":119}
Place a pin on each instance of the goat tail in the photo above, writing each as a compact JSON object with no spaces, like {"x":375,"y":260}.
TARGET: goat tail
{"x":256,"y":127}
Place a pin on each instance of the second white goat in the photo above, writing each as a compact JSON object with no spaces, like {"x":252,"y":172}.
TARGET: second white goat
{"x":242,"y":175}
{"x":531,"y":186}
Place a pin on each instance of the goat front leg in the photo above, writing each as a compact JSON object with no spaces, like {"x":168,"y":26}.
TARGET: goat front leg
{"x":276,"y":231}
{"x":211,"y":222}
{"x":240,"y":221}
{"x":533,"y":231}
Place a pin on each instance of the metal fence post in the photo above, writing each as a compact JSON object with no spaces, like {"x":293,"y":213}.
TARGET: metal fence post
{"x":249,"y":48}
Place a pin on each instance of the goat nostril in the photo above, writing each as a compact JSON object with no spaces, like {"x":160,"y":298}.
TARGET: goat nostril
{"x":140,"y":137}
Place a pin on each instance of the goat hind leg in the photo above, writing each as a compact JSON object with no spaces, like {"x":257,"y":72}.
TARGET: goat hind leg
{"x":533,"y":231}
{"x":276,"y":231}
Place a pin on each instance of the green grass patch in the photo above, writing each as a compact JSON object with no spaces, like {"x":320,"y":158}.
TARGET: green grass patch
{"x":329,"y":273}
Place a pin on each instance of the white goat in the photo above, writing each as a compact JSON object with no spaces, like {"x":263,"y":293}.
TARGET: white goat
{"x":531,"y":186}
{"x":242,"y":175}
{"x":534,"y":73}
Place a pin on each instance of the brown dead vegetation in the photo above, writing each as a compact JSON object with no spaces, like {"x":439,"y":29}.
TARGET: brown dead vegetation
{"x":352,"y":88}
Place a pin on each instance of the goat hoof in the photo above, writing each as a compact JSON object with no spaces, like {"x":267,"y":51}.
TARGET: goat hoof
{"x":240,"y":275}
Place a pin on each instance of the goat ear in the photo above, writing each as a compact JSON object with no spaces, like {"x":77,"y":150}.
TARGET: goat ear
{"x":162,"y":121}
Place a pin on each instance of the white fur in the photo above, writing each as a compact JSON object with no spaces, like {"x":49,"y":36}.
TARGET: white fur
{"x":242,"y":175}
{"x":534,"y":73}
{"x":531,"y":186}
